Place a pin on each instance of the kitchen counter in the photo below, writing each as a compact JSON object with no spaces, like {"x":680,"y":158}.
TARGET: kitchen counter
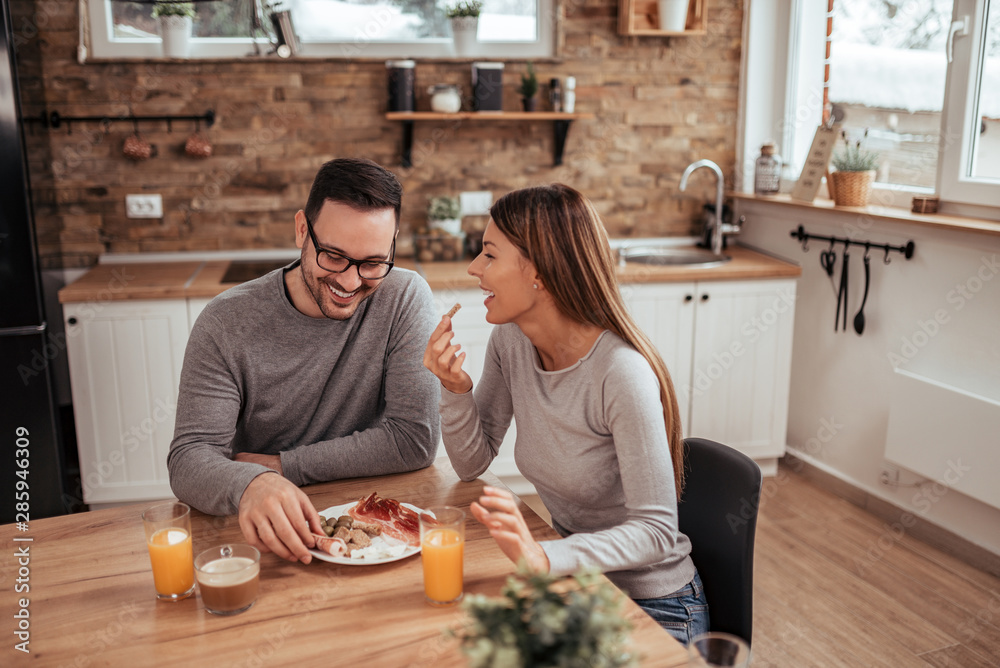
{"x":746,"y":264}
{"x":194,"y":279}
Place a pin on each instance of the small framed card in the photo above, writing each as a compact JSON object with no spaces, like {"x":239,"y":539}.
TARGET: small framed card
{"x":816,"y":162}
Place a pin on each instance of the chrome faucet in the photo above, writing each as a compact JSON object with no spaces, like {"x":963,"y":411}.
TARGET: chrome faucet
{"x":717,"y":227}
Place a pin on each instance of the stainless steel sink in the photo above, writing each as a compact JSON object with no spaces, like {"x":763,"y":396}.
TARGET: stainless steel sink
{"x":670,"y":256}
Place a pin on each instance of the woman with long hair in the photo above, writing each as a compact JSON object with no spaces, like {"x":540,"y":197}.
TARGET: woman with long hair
{"x":598,"y":428}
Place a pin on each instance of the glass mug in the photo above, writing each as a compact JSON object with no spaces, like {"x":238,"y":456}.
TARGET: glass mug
{"x":228,"y":578}
{"x":168,"y":538}
{"x":709,"y":650}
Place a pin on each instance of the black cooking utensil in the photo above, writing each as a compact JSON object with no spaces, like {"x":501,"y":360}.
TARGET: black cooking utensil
{"x":842,"y":294}
{"x":859,"y":319}
{"x":827,"y":260}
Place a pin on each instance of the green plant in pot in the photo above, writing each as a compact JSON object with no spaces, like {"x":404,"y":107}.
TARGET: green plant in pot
{"x":541,"y":620}
{"x":176,"y":20}
{"x":445,"y":213}
{"x":173,"y":9}
{"x":855,"y":168}
{"x":464,"y":17}
{"x":529,"y":88}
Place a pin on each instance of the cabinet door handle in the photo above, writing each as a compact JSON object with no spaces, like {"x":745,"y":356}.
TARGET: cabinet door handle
{"x":72,"y":321}
{"x":704,"y":297}
{"x":688,"y":298}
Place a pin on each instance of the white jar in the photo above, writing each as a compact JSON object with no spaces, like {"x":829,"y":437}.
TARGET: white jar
{"x":569,"y":95}
{"x":445,"y":98}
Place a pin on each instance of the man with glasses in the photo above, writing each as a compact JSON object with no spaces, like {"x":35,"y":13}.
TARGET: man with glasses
{"x":311,"y":373}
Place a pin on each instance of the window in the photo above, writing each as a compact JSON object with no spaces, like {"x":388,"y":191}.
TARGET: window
{"x":934,"y":122}
{"x":971,"y":155}
{"x":328,"y":29}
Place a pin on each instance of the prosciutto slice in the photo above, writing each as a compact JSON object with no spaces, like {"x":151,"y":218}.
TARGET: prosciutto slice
{"x":333,"y":546}
{"x":395,"y":519}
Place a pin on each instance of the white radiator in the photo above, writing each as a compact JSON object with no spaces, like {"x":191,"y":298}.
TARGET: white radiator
{"x":946,"y":434}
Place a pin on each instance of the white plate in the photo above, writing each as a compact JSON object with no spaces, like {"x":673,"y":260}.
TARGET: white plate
{"x":337,"y":511}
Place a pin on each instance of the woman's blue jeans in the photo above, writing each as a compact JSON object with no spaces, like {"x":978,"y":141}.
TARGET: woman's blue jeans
{"x":684,"y":614}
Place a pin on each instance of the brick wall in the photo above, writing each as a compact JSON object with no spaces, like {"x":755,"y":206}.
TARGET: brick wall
{"x":659,"y":104}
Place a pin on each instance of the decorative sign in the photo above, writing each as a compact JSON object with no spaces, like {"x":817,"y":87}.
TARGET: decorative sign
{"x":816,"y":162}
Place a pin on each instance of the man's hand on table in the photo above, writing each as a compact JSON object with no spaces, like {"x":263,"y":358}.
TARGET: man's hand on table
{"x":276,"y":516}
{"x":498,"y":511}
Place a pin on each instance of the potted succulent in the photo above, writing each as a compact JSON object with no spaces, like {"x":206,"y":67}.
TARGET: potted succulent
{"x":529,"y":88}
{"x":855,"y":171}
{"x":445,"y":213}
{"x":464,"y":17}
{"x":176,"y":20}
{"x":541,"y":620}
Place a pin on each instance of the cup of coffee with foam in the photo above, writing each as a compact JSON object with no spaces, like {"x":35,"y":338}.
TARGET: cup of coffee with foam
{"x":228,"y":578}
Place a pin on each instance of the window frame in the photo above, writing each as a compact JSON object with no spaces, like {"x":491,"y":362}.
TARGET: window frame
{"x":102,"y":45}
{"x":959,"y":103}
{"x":777,"y":105}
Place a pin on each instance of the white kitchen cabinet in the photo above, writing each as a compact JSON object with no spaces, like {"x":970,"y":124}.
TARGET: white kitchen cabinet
{"x":728,"y":346}
{"x":125,"y":362}
{"x":741,"y":367}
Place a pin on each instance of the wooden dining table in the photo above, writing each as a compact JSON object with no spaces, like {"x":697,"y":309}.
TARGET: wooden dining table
{"x":86,"y":584}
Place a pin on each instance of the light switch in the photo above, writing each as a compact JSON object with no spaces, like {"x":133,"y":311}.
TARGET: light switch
{"x":144,"y":206}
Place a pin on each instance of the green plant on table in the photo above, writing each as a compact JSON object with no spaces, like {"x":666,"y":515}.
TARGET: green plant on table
{"x":541,"y":620}
{"x":464,"y":8}
{"x":529,"y":82}
{"x":444,"y":208}
{"x":173,"y":9}
{"x":855,"y":157}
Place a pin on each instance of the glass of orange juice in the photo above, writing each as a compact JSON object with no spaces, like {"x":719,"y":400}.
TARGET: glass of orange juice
{"x":442,"y":545}
{"x":168,"y":537}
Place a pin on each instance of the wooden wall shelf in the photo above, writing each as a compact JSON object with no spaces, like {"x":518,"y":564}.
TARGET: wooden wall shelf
{"x":641,"y":17}
{"x":560,"y":121}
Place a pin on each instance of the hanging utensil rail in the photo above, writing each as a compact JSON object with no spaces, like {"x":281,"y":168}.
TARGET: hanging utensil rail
{"x":54,"y":119}
{"x":803,"y":237}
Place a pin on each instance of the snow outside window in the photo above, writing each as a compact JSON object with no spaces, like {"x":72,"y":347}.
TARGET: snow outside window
{"x":935,"y":123}
{"x":328,"y":29}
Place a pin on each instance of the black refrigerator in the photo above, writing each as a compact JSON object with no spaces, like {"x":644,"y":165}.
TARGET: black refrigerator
{"x":31,"y":455}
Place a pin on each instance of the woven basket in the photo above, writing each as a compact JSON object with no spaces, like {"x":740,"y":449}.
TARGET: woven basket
{"x":852,"y":188}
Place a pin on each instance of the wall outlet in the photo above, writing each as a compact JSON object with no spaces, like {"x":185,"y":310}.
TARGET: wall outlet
{"x":144,"y":206}
{"x":889,"y":475}
{"x":476,"y":202}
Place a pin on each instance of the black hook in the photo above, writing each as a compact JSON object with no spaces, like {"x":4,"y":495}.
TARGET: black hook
{"x":886,"y":260}
{"x":867,"y":246}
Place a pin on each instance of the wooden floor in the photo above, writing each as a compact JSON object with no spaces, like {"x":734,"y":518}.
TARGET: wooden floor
{"x":836,"y":586}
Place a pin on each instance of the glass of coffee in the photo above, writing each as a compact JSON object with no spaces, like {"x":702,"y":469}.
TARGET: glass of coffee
{"x":228,"y":578}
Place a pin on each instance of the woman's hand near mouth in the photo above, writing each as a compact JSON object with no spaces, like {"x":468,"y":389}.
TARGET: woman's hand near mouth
{"x":444,"y":361}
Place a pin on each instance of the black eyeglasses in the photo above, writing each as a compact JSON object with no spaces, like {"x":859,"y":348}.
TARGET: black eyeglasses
{"x":338,"y":263}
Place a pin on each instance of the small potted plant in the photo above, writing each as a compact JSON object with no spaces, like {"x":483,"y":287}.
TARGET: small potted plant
{"x":541,"y":620}
{"x":529,"y":88}
{"x":176,"y":20}
{"x":445,"y":213}
{"x":464,"y":16}
{"x":855,"y":169}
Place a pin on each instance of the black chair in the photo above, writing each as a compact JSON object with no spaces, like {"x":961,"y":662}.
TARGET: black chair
{"x":718,"y":512}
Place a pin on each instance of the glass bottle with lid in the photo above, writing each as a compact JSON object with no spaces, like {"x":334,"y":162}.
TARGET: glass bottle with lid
{"x":767,"y":171}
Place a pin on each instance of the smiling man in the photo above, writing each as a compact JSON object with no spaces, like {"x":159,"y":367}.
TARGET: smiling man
{"x":311,"y":373}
